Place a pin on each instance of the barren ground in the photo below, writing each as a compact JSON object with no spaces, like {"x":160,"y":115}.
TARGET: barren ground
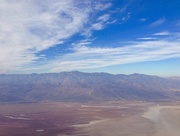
{"x":122,"y":118}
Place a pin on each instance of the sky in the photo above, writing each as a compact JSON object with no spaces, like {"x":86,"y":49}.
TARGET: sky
{"x":114,"y":36}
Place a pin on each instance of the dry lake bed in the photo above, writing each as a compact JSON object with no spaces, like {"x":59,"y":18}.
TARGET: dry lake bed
{"x":123,"y":118}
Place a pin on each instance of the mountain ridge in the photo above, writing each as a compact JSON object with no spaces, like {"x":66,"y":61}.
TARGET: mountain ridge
{"x":80,"y":86}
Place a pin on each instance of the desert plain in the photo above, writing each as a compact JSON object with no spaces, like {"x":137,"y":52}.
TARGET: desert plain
{"x":113,"y":118}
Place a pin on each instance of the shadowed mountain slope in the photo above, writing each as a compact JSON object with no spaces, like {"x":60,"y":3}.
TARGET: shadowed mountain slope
{"x":78,"y":86}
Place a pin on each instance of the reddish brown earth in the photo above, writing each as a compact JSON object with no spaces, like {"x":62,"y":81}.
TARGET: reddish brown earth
{"x":82,"y":119}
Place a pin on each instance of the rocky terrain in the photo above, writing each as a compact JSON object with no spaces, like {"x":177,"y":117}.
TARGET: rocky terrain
{"x":78,"y":86}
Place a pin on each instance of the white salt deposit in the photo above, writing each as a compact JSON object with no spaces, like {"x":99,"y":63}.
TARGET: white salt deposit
{"x":40,"y":130}
{"x":18,"y":118}
{"x":152,"y":113}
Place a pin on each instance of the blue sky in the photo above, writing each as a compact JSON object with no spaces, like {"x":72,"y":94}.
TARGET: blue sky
{"x":114,"y":36}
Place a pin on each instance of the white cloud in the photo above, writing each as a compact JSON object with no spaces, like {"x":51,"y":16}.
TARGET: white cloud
{"x":83,"y":42}
{"x":158,"y":22}
{"x":104,"y":18}
{"x":31,"y":26}
{"x":164,"y":33}
{"x":100,"y":23}
{"x":85,"y":57}
{"x":97,"y":26}
{"x":100,"y":6}
{"x":146,"y":38}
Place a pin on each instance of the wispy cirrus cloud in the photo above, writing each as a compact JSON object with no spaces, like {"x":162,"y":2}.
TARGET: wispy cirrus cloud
{"x":100,"y":6}
{"x":85,"y":57}
{"x":163,"y":33}
{"x":29,"y":27}
{"x":100,"y":23}
{"x":146,"y":38}
{"x":158,"y":22}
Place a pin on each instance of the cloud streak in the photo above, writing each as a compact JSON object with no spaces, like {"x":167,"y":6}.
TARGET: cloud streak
{"x":158,"y":22}
{"x":85,"y":57}
{"x":164,"y":33}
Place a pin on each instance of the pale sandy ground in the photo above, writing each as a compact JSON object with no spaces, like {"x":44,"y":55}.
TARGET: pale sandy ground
{"x":156,"y":121}
{"x":166,"y":118}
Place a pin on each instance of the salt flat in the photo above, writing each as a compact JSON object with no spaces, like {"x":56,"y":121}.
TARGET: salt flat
{"x":120,"y":118}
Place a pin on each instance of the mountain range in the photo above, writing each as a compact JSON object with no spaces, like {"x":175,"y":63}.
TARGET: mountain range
{"x":82,"y":87}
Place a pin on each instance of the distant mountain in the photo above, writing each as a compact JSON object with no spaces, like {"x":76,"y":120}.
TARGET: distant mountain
{"x":175,"y":78}
{"x":78,"y":86}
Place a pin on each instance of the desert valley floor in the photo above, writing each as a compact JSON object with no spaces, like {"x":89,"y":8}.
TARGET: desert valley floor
{"x":123,"y":118}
